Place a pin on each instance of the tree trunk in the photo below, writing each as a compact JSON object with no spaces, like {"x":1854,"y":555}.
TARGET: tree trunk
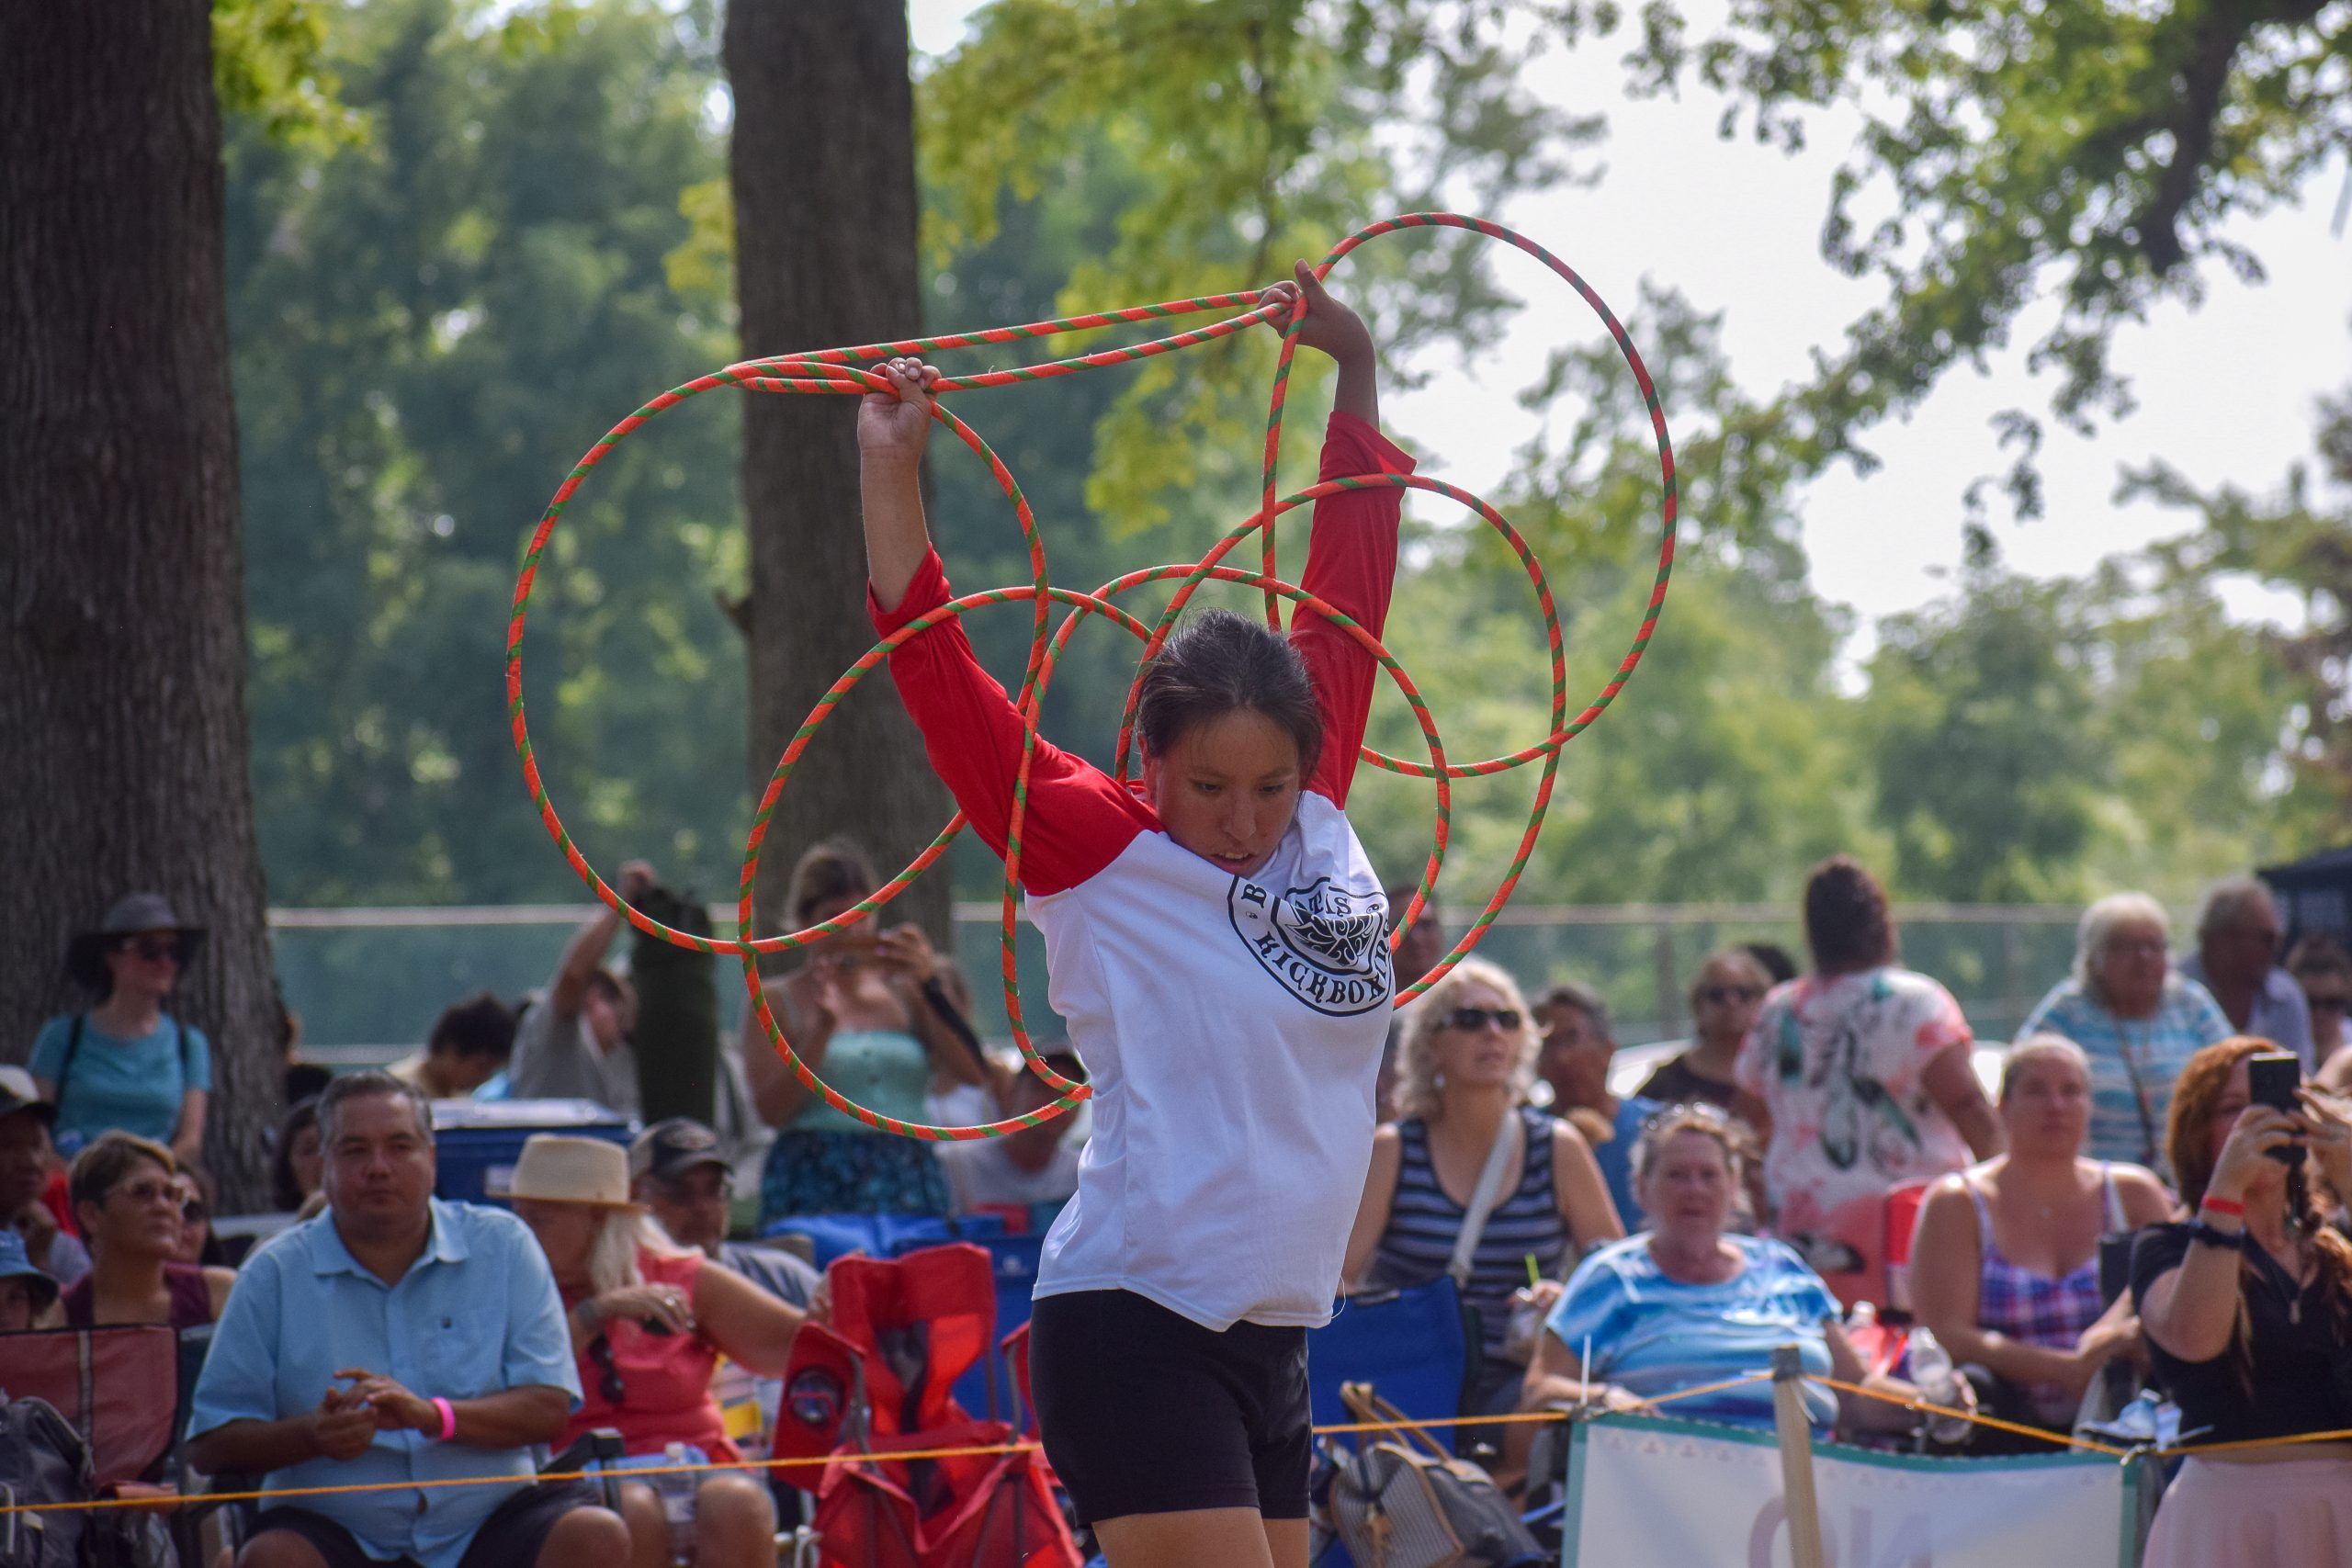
{"x":122,"y":649}
{"x":824,"y":183}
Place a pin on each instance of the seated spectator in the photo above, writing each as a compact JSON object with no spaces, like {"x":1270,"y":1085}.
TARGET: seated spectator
{"x":2138,"y":1022}
{"x":2323,"y":970}
{"x":25,"y":1292}
{"x":469,"y":1046}
{"x":126,"y":1063}
{"x":197,"y":1192}
{"x":2248,"y":1317}
{"x":1685,"y":1304}
{"x":1463,"y":1075}
{"x":1778,"y":965}
{"x":870,"y":1013}
{"x":648,"y":1323}
{"x":1424,"y":943}
{"x":1857,"y":1077}
{"x":296,"y":1167}
{"x":2005,"y":1261}
{"x":1574,"y":1060}
{"x":573,"y":1043}
{"x":1723,"y":998}
{"x":677,"y":1171}
{"x":2238,"y":937}
{"x":396,"y":1340}
{"x":126,"y":1197}
{"x":27,"y":1160}
{"x":1035,"y":1169}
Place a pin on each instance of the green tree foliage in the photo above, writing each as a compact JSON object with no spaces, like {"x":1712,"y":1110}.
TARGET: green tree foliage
{"x":431,"y":322}
{"x":2090,"y":155}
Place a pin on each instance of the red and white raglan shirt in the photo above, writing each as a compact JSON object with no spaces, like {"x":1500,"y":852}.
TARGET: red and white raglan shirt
{"x":1231,"y":1026}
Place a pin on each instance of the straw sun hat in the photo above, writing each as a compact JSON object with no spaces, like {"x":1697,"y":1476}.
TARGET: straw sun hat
{"x":557,"y":1170}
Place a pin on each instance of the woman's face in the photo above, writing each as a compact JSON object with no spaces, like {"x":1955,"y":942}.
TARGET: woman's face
{"x":1574,"y":1056}
{"x":1724,"y":999}
{"x":1227,"y":789}
{"x":1480,"y":1053}
{"x":1687,"y":1190}
{"x":2048,"y":1106}
{"x":196,"y":1218}
{"x":2132,"y":968}
{"x":146,"y":964}
{"x":307,"y":1160}
{"x":566,"y":1233}
{"x":140,"y":1216}
{"x":849,"y":946}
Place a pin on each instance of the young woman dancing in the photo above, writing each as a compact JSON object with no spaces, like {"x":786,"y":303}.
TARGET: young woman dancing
{"x":1216,"y":945}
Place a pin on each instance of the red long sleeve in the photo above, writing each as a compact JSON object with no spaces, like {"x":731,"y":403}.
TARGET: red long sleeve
{"x":1351,"y":566}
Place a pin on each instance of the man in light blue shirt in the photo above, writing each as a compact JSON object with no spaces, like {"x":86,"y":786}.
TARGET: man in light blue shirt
{"x":400,"y":1343}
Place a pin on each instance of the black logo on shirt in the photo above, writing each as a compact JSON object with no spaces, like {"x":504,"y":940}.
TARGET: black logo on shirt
{"x":1327,"y":945}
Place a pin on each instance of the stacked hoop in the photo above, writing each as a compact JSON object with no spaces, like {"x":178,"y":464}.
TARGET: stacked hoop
{"x":832,"y":372}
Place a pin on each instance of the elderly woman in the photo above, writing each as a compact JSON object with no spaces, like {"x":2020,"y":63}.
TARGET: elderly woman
{"x":129,"y":1203}
{"x":2248,"y":1317}
{"x":125,"y":1063}
{"x":2005,"y":1261}
{"x":648,"y":1322}
{"x":871,"y":1014}
{"x":1686,"y":1304}
{"x":2137,"y":1022}
{"x":1858,"y":1078}
{"x":1464,"y":1070}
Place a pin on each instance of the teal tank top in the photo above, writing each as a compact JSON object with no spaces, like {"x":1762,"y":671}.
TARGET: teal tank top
{"x":882,"y":1069}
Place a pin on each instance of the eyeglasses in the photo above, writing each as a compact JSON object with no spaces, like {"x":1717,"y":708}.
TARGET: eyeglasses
{"x":1716,"y":996}
{"x":2330,"y":1004}
{"x":1689,"y":1112}
{"x":608,"y":1372}
{"x":153,"y":949}
{"x":146,"y":1192}
{"x":195,"y":1210}
{"x":1471,"y":1019}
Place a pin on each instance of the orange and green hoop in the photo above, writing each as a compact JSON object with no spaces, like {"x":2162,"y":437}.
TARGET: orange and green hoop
{"x":834,"y":372}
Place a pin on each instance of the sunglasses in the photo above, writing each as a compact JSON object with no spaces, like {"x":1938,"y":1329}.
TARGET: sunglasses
{"x":153,"y":949}
{"x":1471,"y":1019}
{"x":608,"y":1372}
{"x":1718,"y":995}
{"x":2330,"y":1004}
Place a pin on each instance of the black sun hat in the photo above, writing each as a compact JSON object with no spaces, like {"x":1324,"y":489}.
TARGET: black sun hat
{"x":85,"y":954}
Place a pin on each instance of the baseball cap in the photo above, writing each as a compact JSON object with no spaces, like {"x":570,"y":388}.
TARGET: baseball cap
{"x":19,"y":1092}
{"x":673,"y":1147}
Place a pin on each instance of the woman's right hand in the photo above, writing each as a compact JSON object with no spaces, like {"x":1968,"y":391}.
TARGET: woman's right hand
{"x":648,"y":1304}
{"x":895,"y":425}
{"x":816,"y":991}
{"x":2259,"y":1130}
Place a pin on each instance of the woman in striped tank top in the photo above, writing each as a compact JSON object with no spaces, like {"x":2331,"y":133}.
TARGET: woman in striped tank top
{"x":1463,"y":1070}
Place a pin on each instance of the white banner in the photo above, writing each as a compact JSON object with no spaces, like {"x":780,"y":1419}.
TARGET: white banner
{"x":1647,"y":1493}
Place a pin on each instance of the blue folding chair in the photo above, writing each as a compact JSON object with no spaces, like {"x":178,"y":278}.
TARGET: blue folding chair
{"x":1414,"y":1345}
{"x":880,"y":1236}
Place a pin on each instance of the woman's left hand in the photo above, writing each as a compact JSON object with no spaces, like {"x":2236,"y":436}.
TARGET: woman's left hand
{"x":1331,"y":326}
{"x":2329,"y":1117}
{"x":905,"y":950}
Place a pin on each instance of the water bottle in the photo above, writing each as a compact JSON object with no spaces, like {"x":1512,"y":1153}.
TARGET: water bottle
{"x":1932,"y":1375}
{"x":676,"y":1489}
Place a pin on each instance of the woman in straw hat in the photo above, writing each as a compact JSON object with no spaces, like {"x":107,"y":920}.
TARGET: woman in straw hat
{"x":648,"y":1321}
{"x":126,"y":1063}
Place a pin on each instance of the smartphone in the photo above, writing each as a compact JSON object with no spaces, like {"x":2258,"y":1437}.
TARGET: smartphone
{"x":2271,"y":1078}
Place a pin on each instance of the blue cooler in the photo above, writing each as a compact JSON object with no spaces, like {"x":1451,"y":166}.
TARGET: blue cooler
{"x":480,"y":1140}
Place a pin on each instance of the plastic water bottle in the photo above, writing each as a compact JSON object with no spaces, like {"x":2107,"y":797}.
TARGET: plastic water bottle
{"x":1932,"y":1375}
{"x":676,"y":1490}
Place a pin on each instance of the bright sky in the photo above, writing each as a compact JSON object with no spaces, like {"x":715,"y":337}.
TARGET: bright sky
{"x":2227,"y":391}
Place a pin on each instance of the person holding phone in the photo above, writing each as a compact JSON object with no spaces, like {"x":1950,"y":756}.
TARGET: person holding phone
{"x":2247,"y":1310}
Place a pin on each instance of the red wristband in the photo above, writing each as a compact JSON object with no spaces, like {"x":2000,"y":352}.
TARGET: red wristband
{"x":2229,"y":1207}
{"x":448,"y":1418}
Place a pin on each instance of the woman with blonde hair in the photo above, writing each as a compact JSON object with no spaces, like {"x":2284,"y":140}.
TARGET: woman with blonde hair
{"x":1465,"y":1130}
{"x":648,"y":1321}
{"x":2248,"y":1316}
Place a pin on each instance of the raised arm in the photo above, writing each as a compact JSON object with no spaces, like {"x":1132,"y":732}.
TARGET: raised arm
{"x":1078,"y":818}
{"x":1352,"y":552}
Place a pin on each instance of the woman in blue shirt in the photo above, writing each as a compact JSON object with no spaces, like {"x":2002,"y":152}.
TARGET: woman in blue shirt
{"x":126,"y":1064}
{"x":1685,"y":1303}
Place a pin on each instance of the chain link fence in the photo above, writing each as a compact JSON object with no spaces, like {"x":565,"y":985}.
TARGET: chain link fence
{"x":367,"y":982}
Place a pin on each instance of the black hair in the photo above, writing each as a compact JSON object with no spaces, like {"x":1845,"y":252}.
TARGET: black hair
{"x":366,"y":1086}
{"x":1217,"y":663}
{"x":284,"y":1190}
{"x":1847,"y":922}
{"x":478,"y":1025}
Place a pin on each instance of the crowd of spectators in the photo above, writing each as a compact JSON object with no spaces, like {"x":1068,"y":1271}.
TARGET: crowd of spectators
{"x":1614,"y":1246}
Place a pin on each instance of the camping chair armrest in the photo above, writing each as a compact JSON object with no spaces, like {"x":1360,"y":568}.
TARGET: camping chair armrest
{"x":598,"y":1445}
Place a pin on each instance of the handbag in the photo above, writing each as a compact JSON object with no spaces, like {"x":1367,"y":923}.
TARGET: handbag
{"x":1401,"y":1501}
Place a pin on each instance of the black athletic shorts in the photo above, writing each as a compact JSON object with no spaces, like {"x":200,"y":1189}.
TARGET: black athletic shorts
{"x":1144,"y":1411}
{"x":510,"y":1537}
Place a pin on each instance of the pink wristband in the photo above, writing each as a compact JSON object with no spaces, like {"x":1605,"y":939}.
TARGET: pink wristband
{"x":448,"y":1418}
